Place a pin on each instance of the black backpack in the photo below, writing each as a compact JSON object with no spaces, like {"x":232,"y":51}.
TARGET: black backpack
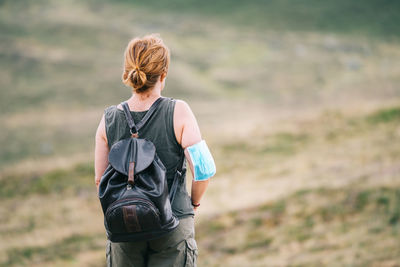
{"x":133,"y":190}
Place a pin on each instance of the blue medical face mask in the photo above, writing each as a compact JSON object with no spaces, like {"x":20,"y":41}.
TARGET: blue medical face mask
{"x":202,"y":161}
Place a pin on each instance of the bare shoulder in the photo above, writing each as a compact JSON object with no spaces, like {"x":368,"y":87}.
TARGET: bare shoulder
{"x":181,"y":107}
{"x":186,"y":128}
{"x":183,"y":112}
{"x":101,"y":130}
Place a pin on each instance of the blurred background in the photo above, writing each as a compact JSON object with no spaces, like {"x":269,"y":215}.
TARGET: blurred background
{"x":299,"y":102}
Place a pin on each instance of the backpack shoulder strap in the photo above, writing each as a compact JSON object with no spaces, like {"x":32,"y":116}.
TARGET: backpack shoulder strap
{"x":128,"y":117}
{"x":135,"y":128}
{"x":179,"y":177}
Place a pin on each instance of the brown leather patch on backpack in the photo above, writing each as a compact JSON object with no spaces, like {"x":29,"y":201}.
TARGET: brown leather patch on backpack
{"x":131,"y":173}
{"x":130,"y":218}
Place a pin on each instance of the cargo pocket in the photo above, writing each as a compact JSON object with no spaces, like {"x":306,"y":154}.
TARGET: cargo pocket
{"x":191,"y":252}
{"x":108,"y":253}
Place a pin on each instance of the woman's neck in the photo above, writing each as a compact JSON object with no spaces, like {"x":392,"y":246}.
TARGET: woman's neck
{"x":143,"y":101}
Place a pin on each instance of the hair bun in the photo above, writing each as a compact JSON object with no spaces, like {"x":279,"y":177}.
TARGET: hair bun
{"x":136,"y":78}
{"x":141,"y":77}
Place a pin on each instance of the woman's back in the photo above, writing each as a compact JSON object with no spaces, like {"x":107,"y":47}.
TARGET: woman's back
{"x":159,"y":129}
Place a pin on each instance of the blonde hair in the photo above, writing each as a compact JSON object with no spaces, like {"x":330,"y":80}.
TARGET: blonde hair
{"x":145,"y":60}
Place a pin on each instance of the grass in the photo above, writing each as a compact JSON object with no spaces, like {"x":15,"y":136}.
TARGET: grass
{"x":65,"y":249}
{"x":306,"y":218}
{"x":282,"y":143}
{"x":285,"y":143}
{"x":77,"y":180}
{"x":313,"y":217}
{"x":385,"y":116}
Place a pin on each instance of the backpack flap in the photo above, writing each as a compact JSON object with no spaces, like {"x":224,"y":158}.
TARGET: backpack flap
{"x":126,"y":151}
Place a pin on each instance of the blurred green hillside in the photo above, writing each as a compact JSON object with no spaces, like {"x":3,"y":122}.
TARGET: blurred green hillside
{"x":379,"y":18}
{"x":298,"y":100}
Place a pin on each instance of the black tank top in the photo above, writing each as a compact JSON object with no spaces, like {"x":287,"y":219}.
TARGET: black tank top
{"x":159,"y":129}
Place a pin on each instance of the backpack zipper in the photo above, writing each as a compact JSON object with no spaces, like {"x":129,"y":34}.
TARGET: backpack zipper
{"x":132,"y":200}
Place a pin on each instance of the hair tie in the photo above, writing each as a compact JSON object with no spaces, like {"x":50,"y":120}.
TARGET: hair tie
{"x":130,"y":73}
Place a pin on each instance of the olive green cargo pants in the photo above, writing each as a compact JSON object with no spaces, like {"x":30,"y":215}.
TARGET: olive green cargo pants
{"x":177,"y":248}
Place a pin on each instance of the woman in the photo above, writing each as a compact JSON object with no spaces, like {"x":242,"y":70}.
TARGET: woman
{"x":171,"y":128}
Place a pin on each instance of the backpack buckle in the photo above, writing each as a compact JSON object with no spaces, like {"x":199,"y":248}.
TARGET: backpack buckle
{"x":134,"y":132}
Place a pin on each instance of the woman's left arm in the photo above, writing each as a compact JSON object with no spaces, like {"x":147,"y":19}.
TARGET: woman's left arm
{"x":100,"y":152}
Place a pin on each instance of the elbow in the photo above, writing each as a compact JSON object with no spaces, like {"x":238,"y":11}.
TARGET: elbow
{"x":97,"y":181}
